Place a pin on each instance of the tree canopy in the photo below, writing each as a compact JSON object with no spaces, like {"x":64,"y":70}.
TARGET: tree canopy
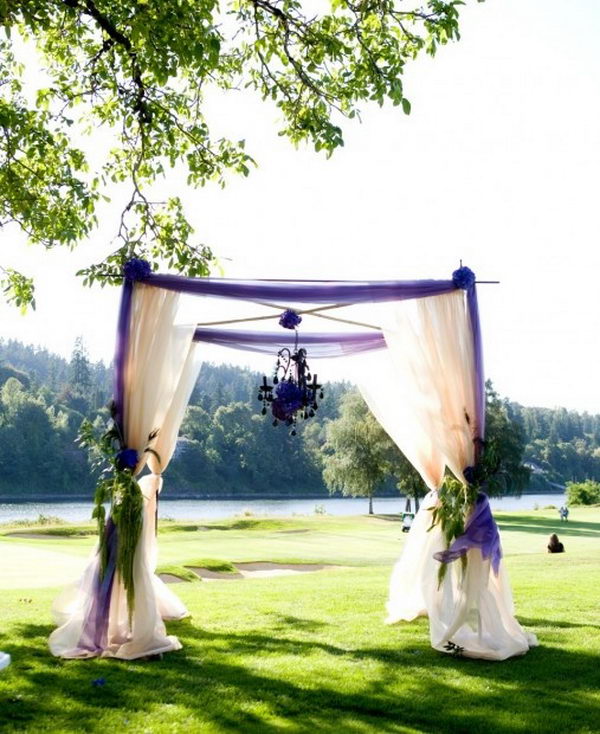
{"x":226,"y":449}
{"x":140,"y":71}
{"x":583,"y":493}
{"x":358,"y":453}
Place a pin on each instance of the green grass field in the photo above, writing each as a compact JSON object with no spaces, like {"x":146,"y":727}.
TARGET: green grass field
{"x":309,"y":653}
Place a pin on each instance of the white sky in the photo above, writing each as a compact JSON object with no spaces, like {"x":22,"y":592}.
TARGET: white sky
{"x":497,"y":164}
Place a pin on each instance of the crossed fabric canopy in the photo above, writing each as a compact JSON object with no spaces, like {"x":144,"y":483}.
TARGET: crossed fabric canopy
{"x":427,"y":391}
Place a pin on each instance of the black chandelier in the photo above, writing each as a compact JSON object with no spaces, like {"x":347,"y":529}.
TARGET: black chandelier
{"x":295,"y":392}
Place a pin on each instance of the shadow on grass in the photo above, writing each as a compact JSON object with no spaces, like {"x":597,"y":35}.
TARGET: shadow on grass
{"x":531,"y":622}
{"x":235,"y":682}
{"x":545,"y":525}
{"x":306,"y":625}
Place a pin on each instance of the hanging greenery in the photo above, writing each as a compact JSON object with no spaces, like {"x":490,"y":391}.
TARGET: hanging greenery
{"x":118,"y":487}
{"x":457,"y":500}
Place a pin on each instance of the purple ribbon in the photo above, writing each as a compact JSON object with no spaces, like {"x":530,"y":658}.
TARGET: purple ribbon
{"x":298,"y":291}
{"x":479,"y":388}
{"x":325,"y":344}
{"x":121,"y":352}
{"x":95,"y":628}
{"x":481,"y":532}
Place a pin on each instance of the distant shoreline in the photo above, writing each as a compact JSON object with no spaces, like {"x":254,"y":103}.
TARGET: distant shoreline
{"x":215,"y":498}
{"x":177,"y":496}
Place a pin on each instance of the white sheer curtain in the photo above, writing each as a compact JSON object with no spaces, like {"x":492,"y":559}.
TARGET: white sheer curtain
{"x":160,"y":372}
{"x":423,"y":394}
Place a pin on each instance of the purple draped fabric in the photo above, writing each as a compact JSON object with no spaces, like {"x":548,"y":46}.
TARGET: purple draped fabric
{"x":313,"y":291}
{"x":479,"y":427}
{"x":321,"y":344}
{"x":317,"y":291}
{"x":95,"y":628}
{"x":481,"y":532}
{"x":329,"y":291}
{"x":324,"y":345}
{"x":121,"y":352}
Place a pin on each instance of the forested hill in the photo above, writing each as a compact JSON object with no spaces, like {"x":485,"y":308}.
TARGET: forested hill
{"x":227,"y":448}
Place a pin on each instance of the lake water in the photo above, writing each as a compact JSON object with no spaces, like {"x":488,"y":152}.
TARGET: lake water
{"x":214,"y":509}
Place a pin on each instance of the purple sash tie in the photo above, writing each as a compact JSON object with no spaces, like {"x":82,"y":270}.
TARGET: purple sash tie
{"x":481,"y":532}
{"x":95,"y":628}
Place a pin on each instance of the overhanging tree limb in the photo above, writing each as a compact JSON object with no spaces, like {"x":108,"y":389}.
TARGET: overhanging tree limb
{"x":140,"y":69}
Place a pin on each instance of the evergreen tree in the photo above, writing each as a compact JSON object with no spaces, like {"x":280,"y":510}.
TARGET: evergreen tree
{"x":231,"y":449}
{"x":79,"y":369}
{"x":505,"y":441}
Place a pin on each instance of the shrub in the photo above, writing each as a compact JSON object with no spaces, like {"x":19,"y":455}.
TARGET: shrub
{"x":583,"y":493}
{"x":49,"y":520}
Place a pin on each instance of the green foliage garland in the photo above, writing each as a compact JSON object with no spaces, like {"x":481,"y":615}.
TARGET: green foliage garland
{"x":499,"y":468}
{"x":455,"y":502}
{"x":118,"y":486}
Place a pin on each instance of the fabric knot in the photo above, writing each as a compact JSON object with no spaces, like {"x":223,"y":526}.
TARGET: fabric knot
{"x":469,"y":474}
{"x":481,"y":532}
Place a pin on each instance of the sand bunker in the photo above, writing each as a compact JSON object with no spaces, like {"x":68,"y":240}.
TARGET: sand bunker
{"x":169,"y":578}
{"x":266,"y":568}
{"x":208,"y":575}
{"x":255,"y":570}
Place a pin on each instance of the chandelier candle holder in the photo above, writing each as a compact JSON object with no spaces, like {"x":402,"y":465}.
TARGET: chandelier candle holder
{"x":295,"y":392}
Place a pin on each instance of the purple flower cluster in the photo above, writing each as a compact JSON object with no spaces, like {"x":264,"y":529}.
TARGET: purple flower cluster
{"x":136,"y":269}
{"x":127,"y":459}
{"x":288,"y":399}
{"x":463,"y":278}
{"x":469,"y":474}
{"x":290,"y":319}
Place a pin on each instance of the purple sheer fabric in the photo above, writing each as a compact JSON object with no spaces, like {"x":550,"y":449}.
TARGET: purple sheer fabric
{"x":95,"y":629}
{"x":332,"y":291}
{"x":121,"y":351}
{"x":479,"y":428}
{"x":289,"y":292}
{"x":481,"y":532}
{"x":320,"y":345}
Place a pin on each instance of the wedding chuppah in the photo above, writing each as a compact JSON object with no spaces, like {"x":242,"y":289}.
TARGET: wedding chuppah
{"x":424,"y":384}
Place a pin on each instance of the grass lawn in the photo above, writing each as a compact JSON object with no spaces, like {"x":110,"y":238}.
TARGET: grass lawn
{"x":309,"y":653}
